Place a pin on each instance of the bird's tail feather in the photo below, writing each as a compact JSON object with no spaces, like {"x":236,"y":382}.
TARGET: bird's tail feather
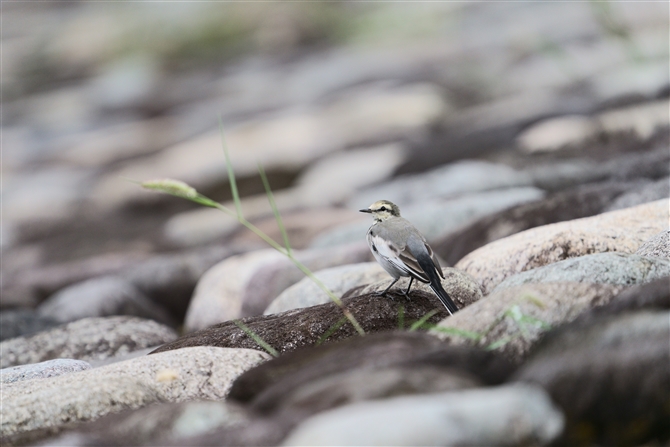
{"x":427,"y":265}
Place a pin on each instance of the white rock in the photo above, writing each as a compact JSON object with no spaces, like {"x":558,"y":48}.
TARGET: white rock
{"x":557,"y":133}
{"x":508,"y":415}
{"x":643,"y":119}
{"x":461,"y":177}
{"x":335,"y":178}
{"x":340,"y":279}
{"x":202,"y":372}
{"x":435,"y":217}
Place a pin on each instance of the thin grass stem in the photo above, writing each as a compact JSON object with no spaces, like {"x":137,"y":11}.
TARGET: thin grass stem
{"x":231,"y":174}
{"x":273,"y":205}
{"x":417,"y":324}
{"x":331,"y":330}
{"x":262,"y":343}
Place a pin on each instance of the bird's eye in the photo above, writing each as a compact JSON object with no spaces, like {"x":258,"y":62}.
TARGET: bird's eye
{"x":383,"y":208}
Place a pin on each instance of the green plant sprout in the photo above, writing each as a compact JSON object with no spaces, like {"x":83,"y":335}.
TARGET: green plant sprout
{"x":514,"y":313}
{"x":417,"y":324}
{"x":331,"y":330}
{"x":401,"y":317}
{"x":262,"y":343}
{"x":180,"y":189}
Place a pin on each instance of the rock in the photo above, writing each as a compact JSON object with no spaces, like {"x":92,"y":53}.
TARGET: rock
{"x":20,"y":258}
{"x":512,"y":320}
{"x":577,"y":130}
{"x":72,"y":402}
{"x":447,"y":181}
{"x":556,"y":133}
{"x":306,"y":293}
{"x":199,"y":226}
{"x":44,"y":194}
{"x":122,"y":357}
{"x":380,"y":112}
{"x":164,"y":423}
{"x":623,"y":230}
{"x":607,"y":376}
{"x":293,"y":329}
{"x":510,"y":415}
{"x":647,"y":192}
{"x":302,"y":226}
{"x":646,"y":79}
{"x":641,"y":119}
{"x":336,"y":177}
{"x":653,"y":296}
{"x":268,"y":385}
{"x":50,"y":368}
{"x":113,"y":143}
{"x":558,"y":175}
{"x":39,"y":282}
{"x":102,"y":297}
{"x":460,"y":286}
{"x":287,"y":140}
{"x":204,"y":225}
{"x":600,"y":268}
{"x":348,"y":387}
{"x":23,"y":322}
{"x":126,"y":83}
{"x":287,"y":372}
{"x":245,"y":284}
{"x":197,"y":373}
{"x":581,"y":201}
{"x":87,"y":339}
{"x":435,"y":217}
{"x":169,"y":280}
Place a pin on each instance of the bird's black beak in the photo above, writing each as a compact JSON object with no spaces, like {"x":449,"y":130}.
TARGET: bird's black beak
{"x":366,"y":210}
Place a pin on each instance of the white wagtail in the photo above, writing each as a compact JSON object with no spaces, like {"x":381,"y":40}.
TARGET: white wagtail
{"x":399,"y":247}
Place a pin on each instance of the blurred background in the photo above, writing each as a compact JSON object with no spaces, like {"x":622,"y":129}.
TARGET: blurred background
{"x":343,"y":103}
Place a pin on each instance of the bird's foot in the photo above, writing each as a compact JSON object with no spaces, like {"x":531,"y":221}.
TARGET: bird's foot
{"x":384,"y":294}
{"x":405,"y":294}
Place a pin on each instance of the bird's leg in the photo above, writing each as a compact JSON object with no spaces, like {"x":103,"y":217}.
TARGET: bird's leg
{"x":387,"y":289}
{"x":406,"y":292}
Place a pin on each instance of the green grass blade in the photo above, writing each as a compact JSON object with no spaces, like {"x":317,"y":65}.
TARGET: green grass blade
{"x":419,"y":323}
{"x":181,"y":189}
{"x":231,"y":174}
{"x":257,"y":338}
{"x":401,"y":317}
{"x":273,"y":205}
{"x":453,"y":331}
{"x":331,"y":330}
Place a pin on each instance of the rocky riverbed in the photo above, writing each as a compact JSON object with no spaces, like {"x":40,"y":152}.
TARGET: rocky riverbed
{"x":528,"y":142}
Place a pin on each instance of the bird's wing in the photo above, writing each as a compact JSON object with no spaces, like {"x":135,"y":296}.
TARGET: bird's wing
{"x":417,"y":246}
{"x":402,"y":259}
{"x":409,"y":260}
{"x":433,"y":256}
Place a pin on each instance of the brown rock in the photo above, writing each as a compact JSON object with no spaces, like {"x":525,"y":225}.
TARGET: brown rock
{"x":624,"y":230}
{"x":460,"y":286}
{"x":293,"y":329}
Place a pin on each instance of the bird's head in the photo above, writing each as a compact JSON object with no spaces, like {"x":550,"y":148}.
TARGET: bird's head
{"x":382,"y":210}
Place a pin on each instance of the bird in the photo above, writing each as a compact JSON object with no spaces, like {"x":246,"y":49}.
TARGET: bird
{"x":403,"y":251}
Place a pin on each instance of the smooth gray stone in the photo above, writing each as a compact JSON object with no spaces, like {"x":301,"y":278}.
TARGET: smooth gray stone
{"x":507,"y":415}
{"x":601,"y":268}
{"x":50,"y":368}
